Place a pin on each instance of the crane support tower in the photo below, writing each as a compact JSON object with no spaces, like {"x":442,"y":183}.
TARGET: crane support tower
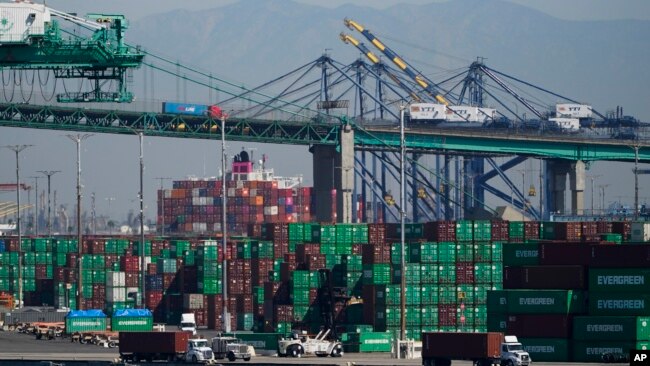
{"x":397,"y":60}
{"x":91,"y":48}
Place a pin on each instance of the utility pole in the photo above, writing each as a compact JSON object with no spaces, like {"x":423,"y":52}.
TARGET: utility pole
{"x":49,"y":174}
{"x":93,"y":216}
{"x":162,"y":203}
{"x":17,"y":149}
{"x":77,"y":139}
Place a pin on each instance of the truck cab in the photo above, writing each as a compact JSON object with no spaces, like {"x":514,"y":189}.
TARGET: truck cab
{"x":231,"y":348}
{"x":198,"y":350}
{"x":188,"y":323}
{"x":513,"y":354}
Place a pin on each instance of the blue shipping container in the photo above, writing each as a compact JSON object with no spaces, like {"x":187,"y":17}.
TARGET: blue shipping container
{"x":185,"y":108}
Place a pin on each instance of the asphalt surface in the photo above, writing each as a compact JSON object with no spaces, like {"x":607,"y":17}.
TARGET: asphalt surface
{"x":17,"y":346}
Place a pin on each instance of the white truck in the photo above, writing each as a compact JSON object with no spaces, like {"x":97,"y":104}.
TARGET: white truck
{"x":231,"y":348}
{"x":188,"y":323}
{"x":300,"y":344}
{"x":513,"y":353}
{"x":198,"y":350}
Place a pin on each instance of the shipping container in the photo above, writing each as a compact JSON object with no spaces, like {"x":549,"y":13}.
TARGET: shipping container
{"x":544,"y":277}
{"x":619,"y":303}
{"x":545,"y":302}
{"x":520,"y":254}
{"x":539,"y":326}
{"x":619,"y":279}
{"x":547,"y":349}
{"x":85,"y":321}
{"x":602,"y":328}
{"x":461,"y":345}
{"x":593,"y":351}
{"x":132,"y":320}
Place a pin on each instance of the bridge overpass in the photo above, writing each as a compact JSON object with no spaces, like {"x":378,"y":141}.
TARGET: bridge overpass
{"x":339,"y":146}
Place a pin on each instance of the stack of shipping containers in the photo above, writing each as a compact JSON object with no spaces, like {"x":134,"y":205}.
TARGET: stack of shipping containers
{"x":574,"y":294}
{"x":570,"y":291}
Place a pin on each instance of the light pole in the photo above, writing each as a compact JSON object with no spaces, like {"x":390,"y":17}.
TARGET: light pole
{"x":602,"y":197}
{"x":636,"y":182}
{"x":36,"y":207}
{"x":77,"y":139}
{"x":402,"y":216}
{"x":592,"y":178}
{"x":49,"y":174}
{"x":142,"y":246}
{"x":17,"y":149}
{"x":226,"y":315}
{"x":162,"y":202}
{"x":109,"y":199}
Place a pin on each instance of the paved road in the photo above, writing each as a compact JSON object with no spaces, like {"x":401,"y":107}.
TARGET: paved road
{"x":16,"y":346}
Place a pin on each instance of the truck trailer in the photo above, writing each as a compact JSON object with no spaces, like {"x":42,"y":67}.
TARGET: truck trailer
{"x":483,"y":349}
{"x":166,"y":346}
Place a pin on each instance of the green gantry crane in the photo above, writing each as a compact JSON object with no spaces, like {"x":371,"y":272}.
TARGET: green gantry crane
{"x":91,"y":48}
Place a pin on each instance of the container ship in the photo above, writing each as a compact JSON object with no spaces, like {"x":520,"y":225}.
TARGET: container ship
{"x":254,"y":195}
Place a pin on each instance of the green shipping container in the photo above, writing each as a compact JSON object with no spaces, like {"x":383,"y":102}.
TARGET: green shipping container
{"x":497,"y":301}
{"x":369,"y":342}
{"x":85,"y":321}
{"x":590,"y":351}
{"x":520,"y":254}
{"x":261,"y":341}
{"x":132,"y":320}
{"x":546,"y":302}
{"x":464,"y":230}
{"x":620,"y":328}
{"x":497,"y":322}
{"x":619,"y":279}
{"x":547,"y":349}
{"x":429,"y":252}
{"x":619,"y":303}
{"x":446,"y":252}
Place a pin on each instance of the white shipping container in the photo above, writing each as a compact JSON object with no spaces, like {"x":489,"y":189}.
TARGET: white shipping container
{"x":217,"y":226}
{"x":193,"y":301}
{"x":568,"y":124}
{"x":167,"y":193}
{"x":20,"y":20}
{"x":115,"y":279}
{"x":196,"y":192}
{"x":200,"y":227}
{"x":270,"y":210}
{"x":572,"y":110}
{"x":231,"y":192}
{"x":427,"y":112}
{"x":240,"y":184}
{"x":195,"y":201}
{"x":462,"y":113}
{"x":640,"y":232}
{"x":115,"y":294}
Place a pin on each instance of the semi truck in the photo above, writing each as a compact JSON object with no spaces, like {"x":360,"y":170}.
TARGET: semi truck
{"x":166,"y":346}
{"x":483,"y":349}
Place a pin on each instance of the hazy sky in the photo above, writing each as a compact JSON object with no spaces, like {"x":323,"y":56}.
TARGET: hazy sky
{"x":158,"y":151}
{"x":563,"y":9}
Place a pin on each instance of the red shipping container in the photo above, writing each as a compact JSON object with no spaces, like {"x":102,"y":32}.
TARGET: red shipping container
{"x":447,"y":315}
{"x":540,"y":326}
{"x":564,"y":253}
{"x":465,"y":273}
{"x":565,"y":277}
{"x":440,"y":231}
{"x":626,"y":256}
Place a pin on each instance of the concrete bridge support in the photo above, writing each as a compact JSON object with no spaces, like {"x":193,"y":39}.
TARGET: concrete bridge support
{"x":334,"y":178}
{"x":557,"y":171}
